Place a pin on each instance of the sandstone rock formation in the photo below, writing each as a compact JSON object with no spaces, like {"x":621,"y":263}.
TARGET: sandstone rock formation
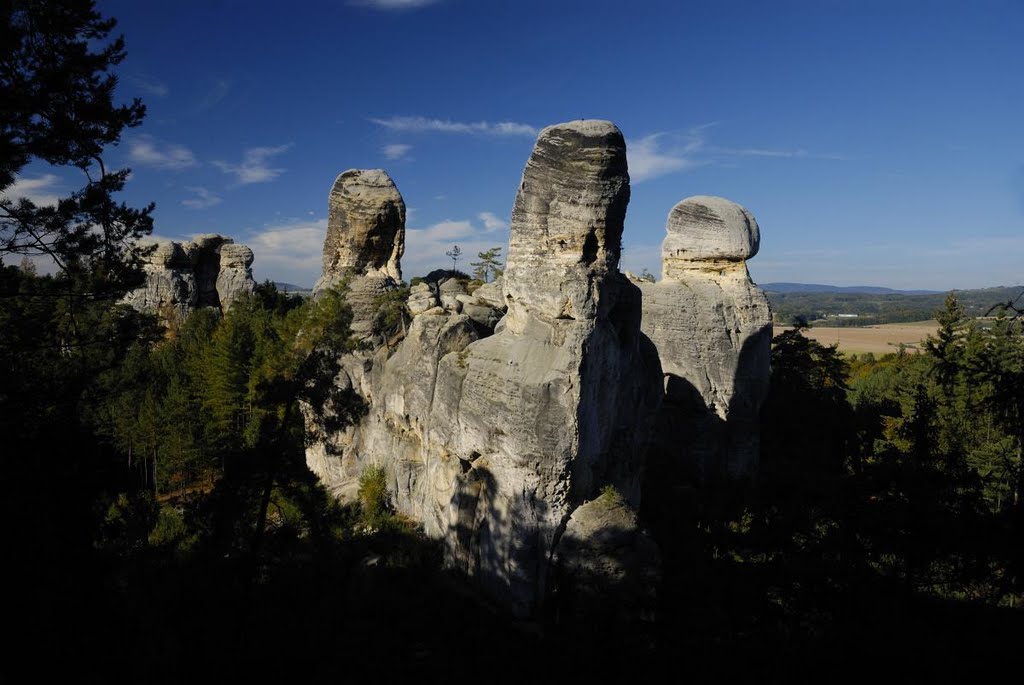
{"x":712,"y":328}
{"x":365,"y":240}
{"x":208,"y":271}
{"x":505,"y":410}
{"x":493,"y":439}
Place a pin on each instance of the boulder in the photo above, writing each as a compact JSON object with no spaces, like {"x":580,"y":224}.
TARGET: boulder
{"x":492,"y":294}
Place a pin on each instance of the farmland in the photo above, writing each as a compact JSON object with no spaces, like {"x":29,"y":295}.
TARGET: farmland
{"x":879,"y":339}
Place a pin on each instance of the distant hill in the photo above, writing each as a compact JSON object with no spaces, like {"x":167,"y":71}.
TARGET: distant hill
{"x":848,"y":307}
{"x":291,"y":288}
{"x":819,"y":288}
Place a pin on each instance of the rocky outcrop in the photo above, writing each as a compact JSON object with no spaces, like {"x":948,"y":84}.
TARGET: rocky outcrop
{"x":365,"y":241}
{"x":492,"y":435}
{"x":506,"y":410}
{"x":712,"y":328}
{"x":235,"y":274}
{"x":208,"y":271}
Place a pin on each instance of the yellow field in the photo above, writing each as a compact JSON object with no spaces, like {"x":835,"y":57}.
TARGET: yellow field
{"x":877,"y":339}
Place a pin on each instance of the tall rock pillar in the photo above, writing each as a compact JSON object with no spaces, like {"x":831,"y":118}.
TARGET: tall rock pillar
{"x":712,"y":327}
{"x":365,"y":240}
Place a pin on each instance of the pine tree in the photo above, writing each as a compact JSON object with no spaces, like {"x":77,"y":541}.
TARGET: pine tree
{"x":490,"y":266}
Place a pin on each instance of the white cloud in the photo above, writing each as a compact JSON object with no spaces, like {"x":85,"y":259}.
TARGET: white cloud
{"x":203,"y":198}
{"x":292,"y":252}
{"x":38,"y":190}
{"x":661,"y":153}
{"x":492,"y":222}
{"x":255,"y":166}
{"x":423,"y":124}
{"x":396,"y":150}
{"x":425,"y":247}
{"x":148,"y":151}
{"x":393,"y":4}
{"x":665,"y":152}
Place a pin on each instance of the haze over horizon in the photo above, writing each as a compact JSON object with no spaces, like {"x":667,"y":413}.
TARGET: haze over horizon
{"x":877,"y":143}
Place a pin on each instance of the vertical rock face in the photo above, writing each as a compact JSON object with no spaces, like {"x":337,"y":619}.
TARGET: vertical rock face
{"x":712,"y":328}
{"x":567,"y":220}
{"x":365,"y":240}
{"x":209,"y":271}
{"x":493,"y":440}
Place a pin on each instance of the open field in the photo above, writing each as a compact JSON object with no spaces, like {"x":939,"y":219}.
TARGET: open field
{"x":879,"y":339}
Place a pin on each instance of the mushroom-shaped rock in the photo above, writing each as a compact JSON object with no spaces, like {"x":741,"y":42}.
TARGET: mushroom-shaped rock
{"x":707,"y":229}
{"x":712,"y":327}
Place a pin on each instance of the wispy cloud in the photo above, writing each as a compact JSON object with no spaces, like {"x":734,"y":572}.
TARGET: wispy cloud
{"x":148,"y":151}
{"x":393,"y":4}
{"x":667,"y":152}
{"x":38,"y":190}
{"x":290,"y":252}
{"x":779,"y":153}
{"x":149,"y":85}
{"x":217,"y":92}
{"x":396,"y":150}
{"x":662,"y":153}
{"x":424,"y":124}
{"x":255,"y":165}
{"x":203,"y":198}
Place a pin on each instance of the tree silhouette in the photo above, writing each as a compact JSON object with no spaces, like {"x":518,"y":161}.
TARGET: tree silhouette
{"x":454,"y":254}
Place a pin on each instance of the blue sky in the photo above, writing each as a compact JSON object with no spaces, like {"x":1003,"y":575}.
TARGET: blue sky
{"x":876,"y":142}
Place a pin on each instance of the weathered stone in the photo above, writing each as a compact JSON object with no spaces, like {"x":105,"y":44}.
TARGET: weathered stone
{"x":492,"y":294}
{"x":365,"y":227}
{"x":365,"y":242}
{"x":567,"y":221}
{"x":498,"y":442}
{"x":707,"y":229}
{"x":204,"y":253}
{"x":493,"y":442}
{"x":712,"y":328}
{"x":235,"y":275}
{"x":482,"y":314}
{"x":208,"y":271}
{"x":421,"y":298}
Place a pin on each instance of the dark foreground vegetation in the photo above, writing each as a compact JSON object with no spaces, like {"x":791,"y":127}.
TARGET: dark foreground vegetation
{"x":160,"y":524}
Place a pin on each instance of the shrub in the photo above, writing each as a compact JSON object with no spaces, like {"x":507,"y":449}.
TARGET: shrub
{"x":373,"y":494}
